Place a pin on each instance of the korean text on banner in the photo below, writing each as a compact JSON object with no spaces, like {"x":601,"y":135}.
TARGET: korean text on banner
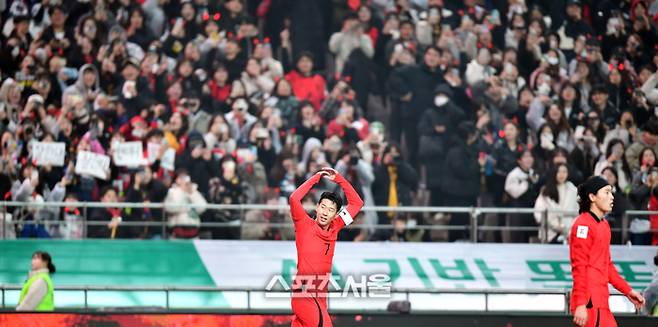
{"x":96,"y":165}
{"x":49,"y":153}
{"x":128,"y":154}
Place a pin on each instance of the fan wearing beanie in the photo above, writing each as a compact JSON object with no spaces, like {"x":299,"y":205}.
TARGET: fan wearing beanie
{"x":591,"y":265}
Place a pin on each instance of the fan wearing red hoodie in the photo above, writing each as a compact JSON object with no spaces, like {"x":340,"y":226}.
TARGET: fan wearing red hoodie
{"x":591,"y":265}
{"x":305,"y":84}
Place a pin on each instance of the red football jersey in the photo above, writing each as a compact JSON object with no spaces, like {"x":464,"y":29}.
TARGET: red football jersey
{"x":591,"y":265}
{"x":315,"y":246}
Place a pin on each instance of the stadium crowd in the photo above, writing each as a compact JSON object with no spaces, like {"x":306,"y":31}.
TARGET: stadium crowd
{"x":505,"y":103}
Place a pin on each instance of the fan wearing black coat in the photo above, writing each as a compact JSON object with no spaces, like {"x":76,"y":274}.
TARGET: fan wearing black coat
{"x":460,"y":183}
{"x":414,"y":85}
{"x":437,"y":128}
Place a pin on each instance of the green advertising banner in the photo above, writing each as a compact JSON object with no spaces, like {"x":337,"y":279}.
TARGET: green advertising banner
{"x":254,"y":264}
{"x":113,"y":263}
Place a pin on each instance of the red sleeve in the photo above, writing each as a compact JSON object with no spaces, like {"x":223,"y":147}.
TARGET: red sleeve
{"x":616,"y":280}
{"x":580,"y":243}
{"x":354,"y":202}
{"x":296,"y":208}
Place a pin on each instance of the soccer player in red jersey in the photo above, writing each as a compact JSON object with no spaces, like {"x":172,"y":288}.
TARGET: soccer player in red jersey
{"x":315,"y":240}
{"x":591,"y":265}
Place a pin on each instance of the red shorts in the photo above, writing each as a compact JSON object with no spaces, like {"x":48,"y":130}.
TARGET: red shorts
{"x":309,"y":311}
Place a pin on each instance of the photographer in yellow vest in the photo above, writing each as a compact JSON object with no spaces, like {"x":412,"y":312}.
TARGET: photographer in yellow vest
{"x":37,"y":293}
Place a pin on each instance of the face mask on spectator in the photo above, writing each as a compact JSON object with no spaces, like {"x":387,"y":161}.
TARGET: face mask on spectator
{"x":544,"y":89}
{"x":128,"y":86}
{"x":583,"y":54}
{"x":241,"y":105}
{"x":552,"y":61}
{"x":41,"y":54}
{"x":440,"y":100}
{"x":138,"y":133}
{"x":89,"y":29}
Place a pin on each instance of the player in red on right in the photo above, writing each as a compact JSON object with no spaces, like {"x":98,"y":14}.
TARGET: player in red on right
{"x":315,"y":240}
{"x":591,"y":265}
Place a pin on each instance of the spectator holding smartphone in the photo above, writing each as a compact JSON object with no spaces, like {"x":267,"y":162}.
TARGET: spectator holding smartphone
{"x":648,"y":138}
{"x":614,"y":158}
{"x":184,"y":220}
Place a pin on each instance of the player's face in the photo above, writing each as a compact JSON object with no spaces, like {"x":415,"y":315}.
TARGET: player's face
{"x":604,"y":198}
{"x":325,"y":212}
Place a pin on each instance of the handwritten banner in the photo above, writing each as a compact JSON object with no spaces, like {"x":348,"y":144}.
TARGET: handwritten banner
{"x":49,"y":153}
{"x":153,"y":151}
{"x":168,"y":159}
{"x":128,"y":154}
{"x":96,"y":165}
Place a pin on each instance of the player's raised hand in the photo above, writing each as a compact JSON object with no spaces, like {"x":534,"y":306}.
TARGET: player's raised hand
{"x":330,"y":173}
{"x":322,"y":173}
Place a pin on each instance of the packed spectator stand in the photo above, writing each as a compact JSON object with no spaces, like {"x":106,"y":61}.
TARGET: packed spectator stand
{"x":501,"y":103}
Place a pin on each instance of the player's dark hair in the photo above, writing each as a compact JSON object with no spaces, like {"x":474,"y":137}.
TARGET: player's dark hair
{"x":590,"y":186}
{"x":333,"y":197}
{"x":584,"y":203}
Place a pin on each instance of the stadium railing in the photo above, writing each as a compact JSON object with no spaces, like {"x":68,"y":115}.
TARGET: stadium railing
{"x":475,"y":226}
{"x":253,"y":300}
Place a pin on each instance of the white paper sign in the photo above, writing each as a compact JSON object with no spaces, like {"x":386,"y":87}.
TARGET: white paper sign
{"x":128,"y":154}
{"x":49,"y":153}
{"x":96,"y":165}
{"x":153,"y":151}
{"x":168,"y":159}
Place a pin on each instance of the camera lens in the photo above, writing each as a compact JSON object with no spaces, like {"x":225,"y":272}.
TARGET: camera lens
{"x":354,"y":160}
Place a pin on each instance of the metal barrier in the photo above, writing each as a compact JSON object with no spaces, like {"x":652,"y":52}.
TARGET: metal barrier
{"x":252,"y":293}
{"x":474,"y":226}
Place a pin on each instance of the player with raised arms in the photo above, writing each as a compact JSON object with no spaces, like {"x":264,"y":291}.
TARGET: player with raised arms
{"x":315,"y":240}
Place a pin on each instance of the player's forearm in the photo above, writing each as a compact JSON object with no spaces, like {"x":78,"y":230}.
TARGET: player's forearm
{"x":617,"y":281}
{"x":354,"y":201}
{"x":303,"y":189}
